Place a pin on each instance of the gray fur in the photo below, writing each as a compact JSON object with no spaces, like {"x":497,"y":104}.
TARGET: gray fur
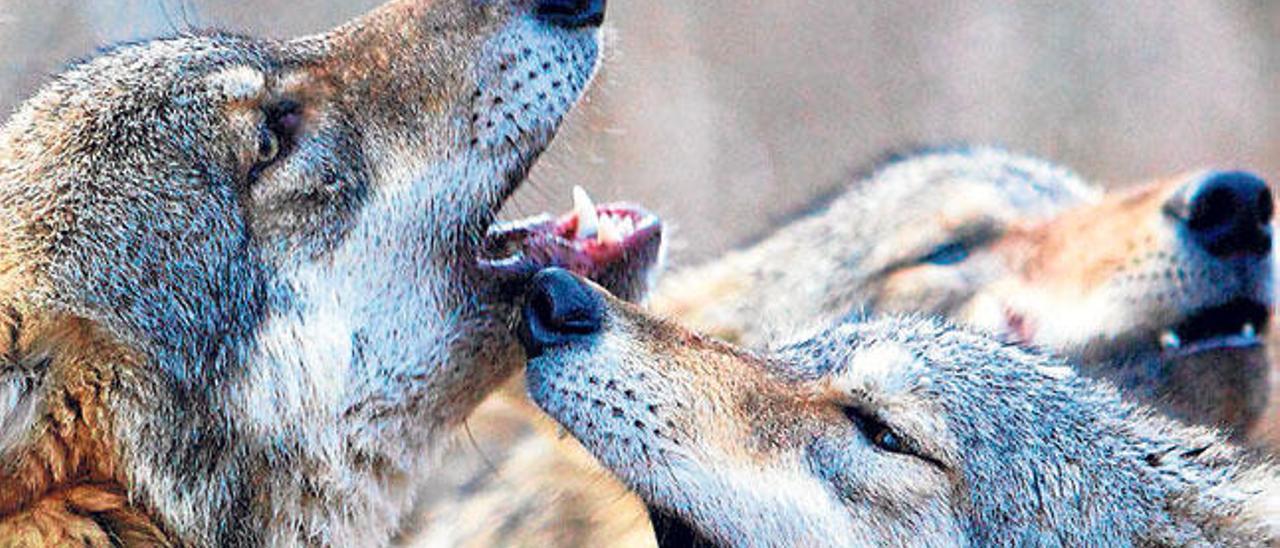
{"x":869,"y":251}
{"x":311,"y":334}
{"x":1005,"y":446}
{"x":863,"y":252}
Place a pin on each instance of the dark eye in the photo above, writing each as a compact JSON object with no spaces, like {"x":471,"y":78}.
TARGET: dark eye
{"x":275,"y":139}
{"x":268,"y":147}
{"x":948,"y":254}
{"x":887,"y":440}
{"x":876,"y":430}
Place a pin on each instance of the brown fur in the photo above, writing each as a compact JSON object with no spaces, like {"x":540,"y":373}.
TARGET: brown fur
{"x":1083,"y":248}
{"x":84,"y":515}
{"x":67,"y":484}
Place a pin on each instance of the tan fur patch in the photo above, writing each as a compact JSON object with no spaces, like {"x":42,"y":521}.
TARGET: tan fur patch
{"x":64,"y":484}
{"x":1083,"y":248}
{"x":84,"y":515}
{"x":690,"y":302}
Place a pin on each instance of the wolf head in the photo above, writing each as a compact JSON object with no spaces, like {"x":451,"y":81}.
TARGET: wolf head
{"x":183,"y":189}
{"x":888,"y":432}
{"x":282,"y":240}
{"x":1164,"y":288}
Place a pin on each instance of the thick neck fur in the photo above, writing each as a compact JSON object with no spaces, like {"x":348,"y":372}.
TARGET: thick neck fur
{"x":322,"y":392}
{"x":1213,"y":492}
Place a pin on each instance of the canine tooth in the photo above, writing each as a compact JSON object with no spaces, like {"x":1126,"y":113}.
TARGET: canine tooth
{"x":588,"y":219}
{"x":610,"y":232}
{"x":1170,"y":340}
{"x":1249,"y":331}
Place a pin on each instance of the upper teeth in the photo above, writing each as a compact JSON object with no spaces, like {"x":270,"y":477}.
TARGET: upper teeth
{"x":588,"y":219}
{"x":606,"y":229}
{"x":610,"y":231}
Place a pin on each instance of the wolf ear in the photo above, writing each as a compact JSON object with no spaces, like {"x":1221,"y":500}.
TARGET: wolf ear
{"x":19,"y":387}
{"x":18,"y":404}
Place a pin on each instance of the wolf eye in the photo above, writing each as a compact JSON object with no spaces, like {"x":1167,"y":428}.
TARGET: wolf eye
{"x":887,"y":440}
{"x":268,"y":146}
{"x":877,"y":431}
{"x":964,"y":240}
{"x":275,"y":138}
{"x":948,"y":254}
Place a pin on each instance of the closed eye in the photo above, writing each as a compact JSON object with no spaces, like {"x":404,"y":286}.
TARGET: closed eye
{"x":947,"y":254}
{"x":959,"y":249}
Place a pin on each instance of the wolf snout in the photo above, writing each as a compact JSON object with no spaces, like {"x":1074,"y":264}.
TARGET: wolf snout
{"x":559,"y":309}
{"x":1228,"y":214}
{"x":571,"y":13}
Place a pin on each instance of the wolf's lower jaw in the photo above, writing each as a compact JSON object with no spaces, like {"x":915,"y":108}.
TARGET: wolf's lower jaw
{"x":1239,"y":323}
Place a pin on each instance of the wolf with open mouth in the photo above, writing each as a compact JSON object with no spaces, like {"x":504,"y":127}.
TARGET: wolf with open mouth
{"x":1164,"y":288}
{"x":619,"y":245}
{"x":247,"y":287}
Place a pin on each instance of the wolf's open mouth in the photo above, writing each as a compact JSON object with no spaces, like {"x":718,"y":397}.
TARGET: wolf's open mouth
{"x":589,"y":240}
{"x":1237,"y":324}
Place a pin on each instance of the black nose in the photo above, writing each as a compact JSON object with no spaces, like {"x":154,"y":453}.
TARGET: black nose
{"x":559,"y":309}
{"x":571,"y":13}
{"x":1228,"y":213}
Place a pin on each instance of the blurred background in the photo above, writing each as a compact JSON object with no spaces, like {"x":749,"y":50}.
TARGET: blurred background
{"x":728,"y":116}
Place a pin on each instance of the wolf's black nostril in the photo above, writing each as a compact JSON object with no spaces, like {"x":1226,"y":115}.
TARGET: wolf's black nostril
{"x":1229,"y":214}
{"x":571,"y":13}
{"x":559,"y":309}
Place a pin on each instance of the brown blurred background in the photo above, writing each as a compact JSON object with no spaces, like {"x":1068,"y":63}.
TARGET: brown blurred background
{"x":726,"y":116}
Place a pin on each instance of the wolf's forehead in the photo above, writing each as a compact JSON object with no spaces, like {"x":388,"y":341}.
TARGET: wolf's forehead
{"x":865,"y":359}
{"x":238,"y":84}
{"x":1003,"y":180}
{"x":883,"y":368}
